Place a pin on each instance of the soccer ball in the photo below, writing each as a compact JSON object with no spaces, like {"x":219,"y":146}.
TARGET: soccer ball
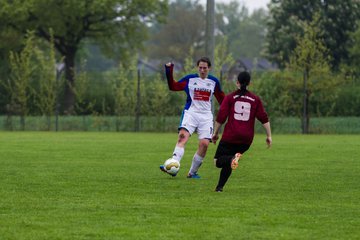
{"x":172,"y":166}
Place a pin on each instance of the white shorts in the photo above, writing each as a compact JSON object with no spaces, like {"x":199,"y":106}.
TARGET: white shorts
{"x":202,"y":123}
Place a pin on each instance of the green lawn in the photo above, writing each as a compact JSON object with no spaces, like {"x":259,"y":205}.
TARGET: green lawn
{"x":73,"y":185}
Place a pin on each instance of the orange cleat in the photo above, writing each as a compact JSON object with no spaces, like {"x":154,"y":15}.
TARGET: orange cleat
{"x":235,"y":161}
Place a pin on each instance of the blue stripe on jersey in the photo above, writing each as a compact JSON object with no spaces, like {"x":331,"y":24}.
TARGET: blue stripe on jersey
{"x":215,"y":80}
{"x":181,"y":118}
{"x":188,"y":98}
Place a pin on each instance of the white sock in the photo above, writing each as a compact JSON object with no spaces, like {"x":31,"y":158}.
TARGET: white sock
{"x":196,"y":163}
{"x":178,"y":153}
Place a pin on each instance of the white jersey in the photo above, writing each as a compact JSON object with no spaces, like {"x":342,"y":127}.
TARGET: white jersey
{"x":199,"y":92}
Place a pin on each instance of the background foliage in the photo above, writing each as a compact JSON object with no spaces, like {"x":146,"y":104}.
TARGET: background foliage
{"x":133,"y":85}
{"x":338,"y":19}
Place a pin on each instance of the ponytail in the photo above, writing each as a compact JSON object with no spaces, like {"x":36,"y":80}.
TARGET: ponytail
{"x":244,"y":80}
{"x":243,"y":90}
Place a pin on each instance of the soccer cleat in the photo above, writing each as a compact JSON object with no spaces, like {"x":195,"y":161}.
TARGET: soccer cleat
{"x":193,"y":175}
{"x":162,"y":168}
{"x":235,"y":161}
{"x":218,"y":189}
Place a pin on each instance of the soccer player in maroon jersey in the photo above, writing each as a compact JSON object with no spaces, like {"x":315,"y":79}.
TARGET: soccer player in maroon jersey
{"x":197,"y":116}
{"x":240,"y":108}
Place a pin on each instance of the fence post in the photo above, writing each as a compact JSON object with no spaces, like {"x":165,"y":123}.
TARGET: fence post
{"x":138,"y":105}
{"x":59,"y":68}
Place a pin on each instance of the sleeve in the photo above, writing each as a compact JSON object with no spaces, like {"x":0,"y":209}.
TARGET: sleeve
{"x":173,"y":85}
{"x":224,"y":110}
{"x":261,"y":114}
{"x":219,"y":94}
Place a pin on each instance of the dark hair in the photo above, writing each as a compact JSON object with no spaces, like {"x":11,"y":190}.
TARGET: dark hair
{"x":244,"y":80}
{"x":204,"y":59}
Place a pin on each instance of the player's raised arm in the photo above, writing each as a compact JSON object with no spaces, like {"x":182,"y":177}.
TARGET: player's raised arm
{"x":173,"y":85}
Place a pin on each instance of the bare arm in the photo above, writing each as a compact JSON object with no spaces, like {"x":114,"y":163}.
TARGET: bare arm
{"x":215,"y":135}
{"x":268,"y":134}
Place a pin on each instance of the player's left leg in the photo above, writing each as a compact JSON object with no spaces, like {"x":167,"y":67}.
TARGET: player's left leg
{"x":204,"y":127}
{"x":227,"y":163}
{"x":179,"y":149}
{"x":223,"y":162}
{"x":198,"y":158}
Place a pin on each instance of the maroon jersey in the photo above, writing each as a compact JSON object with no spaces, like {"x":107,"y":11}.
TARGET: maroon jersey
{"x":241,"y":112}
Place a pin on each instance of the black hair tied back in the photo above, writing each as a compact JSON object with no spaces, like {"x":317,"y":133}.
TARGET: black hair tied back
{"x":244,"y":80}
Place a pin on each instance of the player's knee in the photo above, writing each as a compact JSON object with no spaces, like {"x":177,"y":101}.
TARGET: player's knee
{"x":182,"y":138}
{"x":204,"y":144}
{"x":203,"y":148}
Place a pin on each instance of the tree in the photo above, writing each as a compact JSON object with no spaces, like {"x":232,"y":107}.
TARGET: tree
{"x":245,"y":32}
{"x":48,"y":85}
{"x":124,"y":91}
{"x":222,"y":57}
{"x":311,"y":59}
{"x":354,"y":51}
{"x":82,"y":106}
{"x":184,"y":29}
{"x":18,"y":84}
{"x":119,"y":25}
{"x":337,"y":20}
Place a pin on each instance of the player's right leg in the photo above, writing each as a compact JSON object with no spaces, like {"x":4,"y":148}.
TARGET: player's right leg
{"x":179,"y":149}
{"x":183,"y":138}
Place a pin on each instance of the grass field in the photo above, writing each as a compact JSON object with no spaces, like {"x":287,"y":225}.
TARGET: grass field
{"x":92,"y":185}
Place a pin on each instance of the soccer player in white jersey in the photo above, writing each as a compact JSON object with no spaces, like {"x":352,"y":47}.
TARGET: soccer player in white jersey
{"x":197,"y":114}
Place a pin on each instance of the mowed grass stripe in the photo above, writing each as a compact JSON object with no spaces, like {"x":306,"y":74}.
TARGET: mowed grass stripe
{"x":73,"y":185}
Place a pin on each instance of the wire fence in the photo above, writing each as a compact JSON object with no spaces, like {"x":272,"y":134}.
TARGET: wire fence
{"x":289,"y":125}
